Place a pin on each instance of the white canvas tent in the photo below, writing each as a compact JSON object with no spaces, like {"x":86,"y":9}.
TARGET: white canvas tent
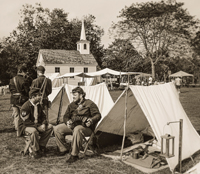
{"x":91,"y":78}
{"x":181,"y":74}
{"x":53,"y":78}
{"x":106,"y":71}
{"x":62,"y":96}
{"x":155,"y":106}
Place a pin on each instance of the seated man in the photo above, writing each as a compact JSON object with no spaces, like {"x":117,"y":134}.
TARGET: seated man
{"x":80,"y":120}
{"x":33,"y":123}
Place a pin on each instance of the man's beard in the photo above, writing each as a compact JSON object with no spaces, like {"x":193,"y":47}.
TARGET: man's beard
{"x":77,"y":101}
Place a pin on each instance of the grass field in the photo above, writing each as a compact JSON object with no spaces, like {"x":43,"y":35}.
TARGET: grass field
{"x":11,"y":161}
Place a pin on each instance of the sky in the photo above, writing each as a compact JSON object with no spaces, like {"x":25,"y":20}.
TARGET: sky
{"x":105,"y":11}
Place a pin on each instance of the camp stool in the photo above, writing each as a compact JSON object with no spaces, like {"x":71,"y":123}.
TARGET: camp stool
{"x":88,"y":141}
{"x":27,"y":148}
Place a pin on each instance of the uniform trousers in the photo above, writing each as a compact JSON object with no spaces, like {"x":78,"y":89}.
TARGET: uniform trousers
{"x":79,"y":131}
{"x":38,"y":136}
{"x":15,"y":114}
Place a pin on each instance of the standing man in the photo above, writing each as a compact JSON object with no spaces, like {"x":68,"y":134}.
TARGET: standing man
{"x":178,"y":84}
{"x":80,"y":120}
{"x":45,"y":86}
{"x":19,"y":89}
{"x":33,"y":123}
{"x":150,"y":80}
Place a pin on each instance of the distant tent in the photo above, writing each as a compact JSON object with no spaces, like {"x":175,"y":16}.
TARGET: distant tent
{"x":155,"y":106}
{"x":143,"y":75}
{"x":62,"y":96}
{"x":91,"y":78}
{"x":53,"y":78}
{"x":181,"y":74}
{"x":106,"y":71}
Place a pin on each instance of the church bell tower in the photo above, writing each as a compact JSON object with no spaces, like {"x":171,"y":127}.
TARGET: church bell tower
{"x":83,"y":46}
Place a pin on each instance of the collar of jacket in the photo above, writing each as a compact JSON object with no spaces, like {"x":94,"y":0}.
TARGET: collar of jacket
{"x":20,"y":74}
{"x":42,"y":75}
{"x":29,"y":103}
{"x":80,"y":103}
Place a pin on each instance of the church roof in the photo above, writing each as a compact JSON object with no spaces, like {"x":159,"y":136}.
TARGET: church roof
{"x":66,"y":57}
{"x":83,"y":41}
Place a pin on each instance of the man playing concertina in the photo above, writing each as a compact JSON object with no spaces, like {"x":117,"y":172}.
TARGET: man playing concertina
{"x":19,"y":89}
{"x":80,"y":120}
{"x":33,"y":123}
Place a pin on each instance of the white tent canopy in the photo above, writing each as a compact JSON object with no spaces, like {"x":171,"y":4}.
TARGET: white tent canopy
{"x":97,"y":73}
{"x":80,"y":74}
{"x":181,"y":74}
{"x":62,"y":96}
{"x":155,"y":106}
{"x":106,"y":71}
{"x":52,"y":76}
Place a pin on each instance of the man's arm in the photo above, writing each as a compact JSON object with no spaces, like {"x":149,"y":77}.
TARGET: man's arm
{"x":94,"y":110}
{"x":67,"y":115}
{"x":12,"y":86}
{"x":49,"y":87}
{"x":26,"y":87}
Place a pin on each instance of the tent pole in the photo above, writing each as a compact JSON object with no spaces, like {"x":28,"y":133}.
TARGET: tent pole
{"x":60,"y":105}
{"x":125,"y":117}
{"x":180,"y":143}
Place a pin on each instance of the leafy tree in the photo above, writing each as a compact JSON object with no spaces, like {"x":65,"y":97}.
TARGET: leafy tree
{"x":160,"y":29}
{"x":41,"y":28}
{"x":121,"y":55}
{"x":195,"y":42}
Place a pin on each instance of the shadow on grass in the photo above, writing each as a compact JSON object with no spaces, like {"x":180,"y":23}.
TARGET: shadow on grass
{"x":5,"y":110}
{"x":7,"y":130}
{"x":4,"y":98}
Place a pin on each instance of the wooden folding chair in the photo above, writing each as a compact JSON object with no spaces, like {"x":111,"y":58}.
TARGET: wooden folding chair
{"x":27,"y":148}
{"x":88,"y":143}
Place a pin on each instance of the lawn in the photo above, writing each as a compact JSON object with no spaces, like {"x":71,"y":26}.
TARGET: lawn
{"x":11,"y":160}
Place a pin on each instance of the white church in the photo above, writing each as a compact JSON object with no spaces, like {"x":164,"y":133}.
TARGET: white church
{"x":69,"y":61}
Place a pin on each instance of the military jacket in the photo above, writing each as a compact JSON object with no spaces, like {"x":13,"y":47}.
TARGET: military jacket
{"x":23,"y":89}
{"x":38,"y":83}
{"x":27,"y":110}
{"x":87,"y":109}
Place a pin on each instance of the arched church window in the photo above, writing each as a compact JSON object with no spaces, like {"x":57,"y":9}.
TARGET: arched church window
{"x":85,"y":46}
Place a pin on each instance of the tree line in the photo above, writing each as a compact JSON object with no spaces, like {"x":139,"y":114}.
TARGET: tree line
{"x":151,"y":37}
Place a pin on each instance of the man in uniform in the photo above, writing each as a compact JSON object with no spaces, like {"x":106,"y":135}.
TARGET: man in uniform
{"x":80,"y":120}
{"x":19,"y":89}
{"x":32,"y":122}
{"x":45,"y":86}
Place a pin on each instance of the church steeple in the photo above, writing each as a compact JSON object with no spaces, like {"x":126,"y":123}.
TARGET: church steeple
{"x":83,"y":46}
{"x":83,"y":32}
